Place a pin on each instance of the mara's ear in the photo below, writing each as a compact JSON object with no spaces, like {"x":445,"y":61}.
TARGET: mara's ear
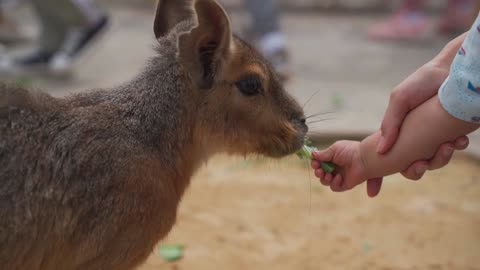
{"x":205,"y":50}
{"x":169,"y":14}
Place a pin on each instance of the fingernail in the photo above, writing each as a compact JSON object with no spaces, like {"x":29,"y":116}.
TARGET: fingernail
{"x":381,"y":144}
{"x":421,"y":170}
{"x":463,"y":141}
{"x":317,"y":155}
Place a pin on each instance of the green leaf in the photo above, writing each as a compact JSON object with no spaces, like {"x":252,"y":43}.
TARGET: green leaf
{"x":171,"y":253}
{"x":338,"y":101}
{"x":307,"y":150}
{"x":366,"y":246}
{"x":328,"y":167}
{"x":307,"y":153}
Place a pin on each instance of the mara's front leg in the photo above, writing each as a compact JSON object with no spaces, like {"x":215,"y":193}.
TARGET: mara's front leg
{"x":145,"y":211}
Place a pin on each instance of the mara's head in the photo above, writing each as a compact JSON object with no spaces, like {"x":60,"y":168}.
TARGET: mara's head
{"x":241,"y":104}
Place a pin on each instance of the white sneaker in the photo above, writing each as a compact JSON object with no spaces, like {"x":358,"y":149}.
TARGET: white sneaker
{"x":61,"y":65}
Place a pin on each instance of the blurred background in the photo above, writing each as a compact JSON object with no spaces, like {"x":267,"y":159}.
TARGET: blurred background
{"x":344,"y":57}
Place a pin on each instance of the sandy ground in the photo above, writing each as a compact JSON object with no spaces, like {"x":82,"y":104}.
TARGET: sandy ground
{"x":260,"y":214}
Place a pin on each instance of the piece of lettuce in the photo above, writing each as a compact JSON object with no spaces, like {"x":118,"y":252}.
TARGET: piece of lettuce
{"x":306,"y":153}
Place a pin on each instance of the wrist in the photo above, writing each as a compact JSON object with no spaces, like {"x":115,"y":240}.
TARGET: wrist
{"x":459,"y":120}
{"x":363,"y":149}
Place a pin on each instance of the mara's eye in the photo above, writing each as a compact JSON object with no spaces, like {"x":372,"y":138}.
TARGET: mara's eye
{"x":250,"y":85}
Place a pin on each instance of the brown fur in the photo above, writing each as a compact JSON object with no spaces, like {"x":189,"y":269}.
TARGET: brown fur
{"x":93,"y":181}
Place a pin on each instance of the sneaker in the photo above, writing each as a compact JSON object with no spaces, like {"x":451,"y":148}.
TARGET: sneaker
{"x":34,"y":61}
{"x":76,"y":42}
{"x":36,"y":58}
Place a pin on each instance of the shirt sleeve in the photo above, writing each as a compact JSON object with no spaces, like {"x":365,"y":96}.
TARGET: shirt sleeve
{"x":460,"y":93}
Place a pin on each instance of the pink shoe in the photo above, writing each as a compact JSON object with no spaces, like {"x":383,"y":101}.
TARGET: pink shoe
{"x":405,"y":25}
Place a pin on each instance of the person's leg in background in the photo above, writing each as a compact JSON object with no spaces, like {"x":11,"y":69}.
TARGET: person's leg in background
{"x":7,"y":28}
{"x":10,"y":32}
{"x":52,"y":33}
{"x":66,"y":28}
{"x":267,"y":35}
{"x":90,"y":10}
{"x":79,"y":34}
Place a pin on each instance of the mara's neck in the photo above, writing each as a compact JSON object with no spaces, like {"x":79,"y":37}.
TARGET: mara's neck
{"x":161,"y":113}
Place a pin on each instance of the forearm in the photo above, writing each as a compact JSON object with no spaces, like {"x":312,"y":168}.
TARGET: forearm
{"x":423,"y":130}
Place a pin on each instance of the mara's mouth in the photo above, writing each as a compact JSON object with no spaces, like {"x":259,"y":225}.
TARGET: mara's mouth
{"x":280,"y":149}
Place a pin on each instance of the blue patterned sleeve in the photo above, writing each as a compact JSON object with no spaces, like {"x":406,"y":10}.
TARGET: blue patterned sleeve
{"x":460,"y":93}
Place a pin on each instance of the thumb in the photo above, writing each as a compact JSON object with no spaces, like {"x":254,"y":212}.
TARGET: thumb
{"x":327,"y":154}
{"x":392,"y":121}
{"x":389,"y":134}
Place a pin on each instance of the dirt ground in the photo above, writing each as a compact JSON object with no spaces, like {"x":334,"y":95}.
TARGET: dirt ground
{"x":261,"y":214}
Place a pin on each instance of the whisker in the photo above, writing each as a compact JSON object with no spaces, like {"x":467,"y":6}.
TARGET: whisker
{"x":318,"y":114}
{"x":316,"y":126}
{"x":310,"y":98}
{"x":316,"y":132}
{"x":321,"y":120}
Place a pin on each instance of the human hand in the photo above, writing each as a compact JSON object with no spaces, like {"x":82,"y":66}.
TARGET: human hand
{"x":350,"y":168}
{"x":414,"y":91}
{"x":411,"y":93}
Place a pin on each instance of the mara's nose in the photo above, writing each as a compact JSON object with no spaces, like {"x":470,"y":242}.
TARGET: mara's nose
{"x":303,"y":123}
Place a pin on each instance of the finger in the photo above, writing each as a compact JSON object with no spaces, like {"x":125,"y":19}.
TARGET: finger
{"x":397,"y":109}
{"x":374,"y":186}
{"x":442,"y":157}
{"x":462,"y":143}
{"x":405,"y":98}
{"x":416,"y":170}
{"x":328,"y":179}
{"x":320,"y":174}
{"x":389,"y":131}
{"x":336,"y":184}
{"x":325,"y":181}
{"x":315,"y":165}
{"x":325,"y":155}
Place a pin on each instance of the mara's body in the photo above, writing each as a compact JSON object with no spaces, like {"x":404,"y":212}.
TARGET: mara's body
{"x":85,"y":183}
{"x":93,"y":181}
